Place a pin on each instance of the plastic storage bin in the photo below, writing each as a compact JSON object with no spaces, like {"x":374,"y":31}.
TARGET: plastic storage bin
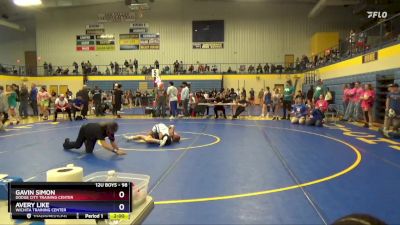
{"x":139,"y":182}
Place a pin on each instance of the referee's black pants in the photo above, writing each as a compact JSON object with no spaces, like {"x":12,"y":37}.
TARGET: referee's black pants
{"x":80,"y":140}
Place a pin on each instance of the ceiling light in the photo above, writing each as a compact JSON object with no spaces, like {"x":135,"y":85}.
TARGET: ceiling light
{"x":27,"y":2}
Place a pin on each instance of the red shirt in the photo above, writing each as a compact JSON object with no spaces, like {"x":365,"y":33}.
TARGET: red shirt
{"x":322,"y":105}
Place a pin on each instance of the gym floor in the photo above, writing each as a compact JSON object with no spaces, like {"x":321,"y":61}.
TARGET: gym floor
{"x":232,"y":172}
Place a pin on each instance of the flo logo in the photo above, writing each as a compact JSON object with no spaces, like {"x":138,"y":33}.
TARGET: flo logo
{"x":377,"y":14}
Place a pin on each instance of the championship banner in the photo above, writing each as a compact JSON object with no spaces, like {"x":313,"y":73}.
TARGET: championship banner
{"x":105,"y":42}
{"x":85,"y":43}
{"x":129,"y":42}
{"x":149,"y":41}
{"x":208,"y":45}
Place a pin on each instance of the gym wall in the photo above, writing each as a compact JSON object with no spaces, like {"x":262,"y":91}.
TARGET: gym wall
{"x":255,"y":31}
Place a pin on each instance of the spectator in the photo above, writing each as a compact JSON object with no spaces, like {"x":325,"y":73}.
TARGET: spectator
{"x":299,"y":111}
{"x":214,"y":68}
{"x":144,"y":69}
{"x":97,"y":93}
{"x":352,"y":41}
{"x":367,"y":103}
{"x":84,"y":93}
{"x":207,"y":68}
{"x":191,"y":68}
{"x":316,"y":117}
{"x":62,"y":105}
{"x":33,"y":99}
{"x":299,"y":95}
{"x":392,"y":110}
{"x":112,"y":67}
{"x":357,"y":98}
{"x":12,"y":104}
{"x":266,"y":68}
{"x":229,"y":70}
{"x":126,"y":64}
{"x":328,"y":96}
{"x":68,"y":94}
{"x":181,"y":69}
{"x":276,"y":103}
{"x":117,"y":69}
{"x":242,"y":104}
{"x":219,"y":99}
{"x":136,"y":65}
{"x":345,"y":97}
{"x":108,"y":71}
{"x":273,"y":68}
{"x":161,"y":100}
{"x":3,"y":108}
{"x":350,"y":110}
{"x":322,"y":104}
{"x":185,"y":98}
{"x":138,"y":98}
{"x":266,"y":102}
{"x":250,"y":69}
{"x":319,"y":90}
{"x":77,"y":106}
{"x":131,"y":66}
{"x":252,"y":96}
{"x":117,"y":100}
{"x":76,"y":67}
{"x":259,"y":69}
{"x":43,"y":98}
{"x":172,"y":93}
{"x":24,"y":101}
{"x":95,"y":71}
{"x":361,"y":41}
{"x":157,"y":64}
{"x":50,"y":69}
{"x":261,"y":96}
{"x":288,"y":96}
{"x":46,"y":68}
{"x":176,"y":67}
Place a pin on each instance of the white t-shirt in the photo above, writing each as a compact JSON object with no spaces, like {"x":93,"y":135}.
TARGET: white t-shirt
{"x":61,"y":103}
{"x":172,"y":93}
{"x":185,"y":93}
{"x":160,"y":128}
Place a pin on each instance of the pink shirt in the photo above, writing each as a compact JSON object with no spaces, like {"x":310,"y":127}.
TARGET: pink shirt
{"x":322,"y":105}
{"x":351,"y":94}
{"x":359,"y":93}
{"x":368,"y":99}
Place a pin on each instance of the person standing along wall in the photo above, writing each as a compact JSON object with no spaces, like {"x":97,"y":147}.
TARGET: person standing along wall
{"x":172,"y":93}
{"x":33,"y":99}
{"x":185,"y":98}
{"x":24,"y":100}
{"x":288,"y":95}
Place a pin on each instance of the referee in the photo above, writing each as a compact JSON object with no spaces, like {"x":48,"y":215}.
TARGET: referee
{"x":90,"y":133}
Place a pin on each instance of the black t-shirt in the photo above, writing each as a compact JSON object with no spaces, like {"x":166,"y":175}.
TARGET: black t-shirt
{"x":97,"y":131}
{"x":96,"y":95}
{"x":118,"y":97}
{"x":138,"y":94}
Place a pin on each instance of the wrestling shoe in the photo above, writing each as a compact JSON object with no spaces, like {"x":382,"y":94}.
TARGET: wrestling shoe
{"x":163,"y":141}
{"x":128,"y":138}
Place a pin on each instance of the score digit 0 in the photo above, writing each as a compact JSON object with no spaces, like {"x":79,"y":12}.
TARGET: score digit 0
{"x":121,"y":194}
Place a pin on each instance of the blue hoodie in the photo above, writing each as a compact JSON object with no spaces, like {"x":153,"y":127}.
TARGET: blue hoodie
{"x":299,"y":110}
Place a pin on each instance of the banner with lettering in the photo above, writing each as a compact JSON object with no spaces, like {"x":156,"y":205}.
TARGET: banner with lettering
{"x":149,"y":41}
{"x":129,"y":42}
{"x":105,"y":42}
{"x":85,"y":43}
